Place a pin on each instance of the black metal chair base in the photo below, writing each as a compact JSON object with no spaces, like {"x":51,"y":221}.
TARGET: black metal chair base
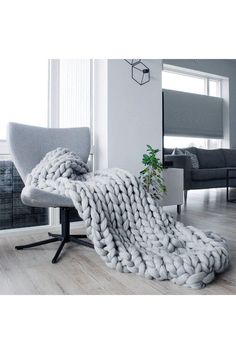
{"x":64,"y":237}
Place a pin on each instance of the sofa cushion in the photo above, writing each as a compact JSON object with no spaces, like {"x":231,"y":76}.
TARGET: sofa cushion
{"x":206,"y":174}
{"x":168,"y":151}
{"x":177,"y":151}
{"x":230,"y":157}
{"x":211,"y":158}
{"x":193,"y":156}
{"x":194,"y":159}
{"x":191,"y":149}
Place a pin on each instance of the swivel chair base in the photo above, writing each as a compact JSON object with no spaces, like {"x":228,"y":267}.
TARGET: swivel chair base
{"x":64,"y":237}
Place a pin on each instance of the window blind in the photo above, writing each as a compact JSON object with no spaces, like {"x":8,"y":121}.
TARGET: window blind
{"x":194,"y":115}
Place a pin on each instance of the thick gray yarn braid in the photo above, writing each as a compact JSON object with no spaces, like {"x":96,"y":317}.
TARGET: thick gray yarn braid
{"x":128,"y":230}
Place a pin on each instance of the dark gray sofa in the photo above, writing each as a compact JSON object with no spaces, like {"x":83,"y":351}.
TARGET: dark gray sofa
{"x":212,"y":169}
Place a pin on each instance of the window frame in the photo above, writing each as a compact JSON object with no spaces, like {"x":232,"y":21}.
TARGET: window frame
{"x":195,"y":74}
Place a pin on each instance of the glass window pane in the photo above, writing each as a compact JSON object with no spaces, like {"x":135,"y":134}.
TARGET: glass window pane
{"x":214,"y":143}
{"x":183,"y":142}
{"x":23,"y":92}
{"x":214,"y":89}
{"x":74,"y":93}
{"x":181,"y":82}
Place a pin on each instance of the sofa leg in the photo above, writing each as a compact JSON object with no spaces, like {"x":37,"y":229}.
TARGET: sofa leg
{"x":185,"y":196}
{"x":179,"y":209}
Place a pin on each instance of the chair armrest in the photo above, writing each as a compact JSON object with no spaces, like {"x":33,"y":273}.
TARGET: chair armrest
{"x":184,"y":162}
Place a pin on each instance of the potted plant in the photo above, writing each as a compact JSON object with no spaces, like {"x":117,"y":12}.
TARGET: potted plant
{"x":151,"y":175}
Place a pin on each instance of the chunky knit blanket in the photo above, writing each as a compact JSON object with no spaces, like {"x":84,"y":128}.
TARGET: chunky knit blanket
{"x":128,"y":229}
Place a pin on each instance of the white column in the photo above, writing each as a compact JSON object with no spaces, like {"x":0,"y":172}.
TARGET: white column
{"x":127,"y":116}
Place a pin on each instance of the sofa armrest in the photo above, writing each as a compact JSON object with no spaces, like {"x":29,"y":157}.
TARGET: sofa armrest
{"x":184,"y":162}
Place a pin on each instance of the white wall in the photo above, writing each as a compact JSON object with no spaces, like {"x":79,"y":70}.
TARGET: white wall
{"x":222,"y":67}
{"x":133,"y":118}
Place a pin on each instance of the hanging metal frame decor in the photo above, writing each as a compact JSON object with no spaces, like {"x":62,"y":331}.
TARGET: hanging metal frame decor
{"x":139,"y":71}
{"x":133,"y":61}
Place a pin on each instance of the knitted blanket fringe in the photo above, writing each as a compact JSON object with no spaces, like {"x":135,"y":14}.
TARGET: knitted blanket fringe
{"x":129,"y":231}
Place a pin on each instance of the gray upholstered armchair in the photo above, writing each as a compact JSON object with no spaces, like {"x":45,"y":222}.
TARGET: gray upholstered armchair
{"x":28,"y":145}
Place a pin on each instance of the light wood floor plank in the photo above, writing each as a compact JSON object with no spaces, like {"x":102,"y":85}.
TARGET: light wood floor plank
{"x":81,"y":271}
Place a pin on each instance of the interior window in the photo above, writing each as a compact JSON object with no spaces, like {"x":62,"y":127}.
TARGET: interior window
{"x":23,"y":92}
{"x":183,"y":142}
{"x":180,"y":80}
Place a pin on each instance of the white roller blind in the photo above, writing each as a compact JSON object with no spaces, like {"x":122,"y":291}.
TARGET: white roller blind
{"x":188,"y":114}
{"x":74,"y":93}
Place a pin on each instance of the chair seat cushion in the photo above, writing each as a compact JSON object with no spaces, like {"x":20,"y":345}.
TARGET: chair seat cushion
{"x":206,"y":174}
{"x":35,"y":197}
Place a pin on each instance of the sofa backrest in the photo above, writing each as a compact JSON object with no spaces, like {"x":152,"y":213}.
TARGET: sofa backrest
{"x":230,"y":157}
{"x":29,"y":144}
{"x":211,"y":158}
{"x":215,"y":158}
{"x":168,"y":151}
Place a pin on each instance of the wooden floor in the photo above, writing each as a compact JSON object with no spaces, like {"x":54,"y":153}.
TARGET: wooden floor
{"x":80,"y":270}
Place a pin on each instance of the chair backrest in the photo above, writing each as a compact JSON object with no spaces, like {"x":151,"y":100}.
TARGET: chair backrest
{"x":29,"y":144}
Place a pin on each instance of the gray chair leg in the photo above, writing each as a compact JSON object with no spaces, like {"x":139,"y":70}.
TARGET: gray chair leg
{"x":39,"y":243}
{"x":77,"y":239}
{"x":185,"y":196}
{"x":58,"y":252}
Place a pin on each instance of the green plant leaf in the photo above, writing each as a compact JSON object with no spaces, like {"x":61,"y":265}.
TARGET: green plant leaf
{"x":150,"y":176}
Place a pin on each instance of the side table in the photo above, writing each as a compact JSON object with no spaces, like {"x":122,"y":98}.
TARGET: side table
{"x":174,"y":182}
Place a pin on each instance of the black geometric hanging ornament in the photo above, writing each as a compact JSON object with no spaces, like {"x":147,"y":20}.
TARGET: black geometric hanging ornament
{"x":139,"y":71}
{"x":133,"y":61}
